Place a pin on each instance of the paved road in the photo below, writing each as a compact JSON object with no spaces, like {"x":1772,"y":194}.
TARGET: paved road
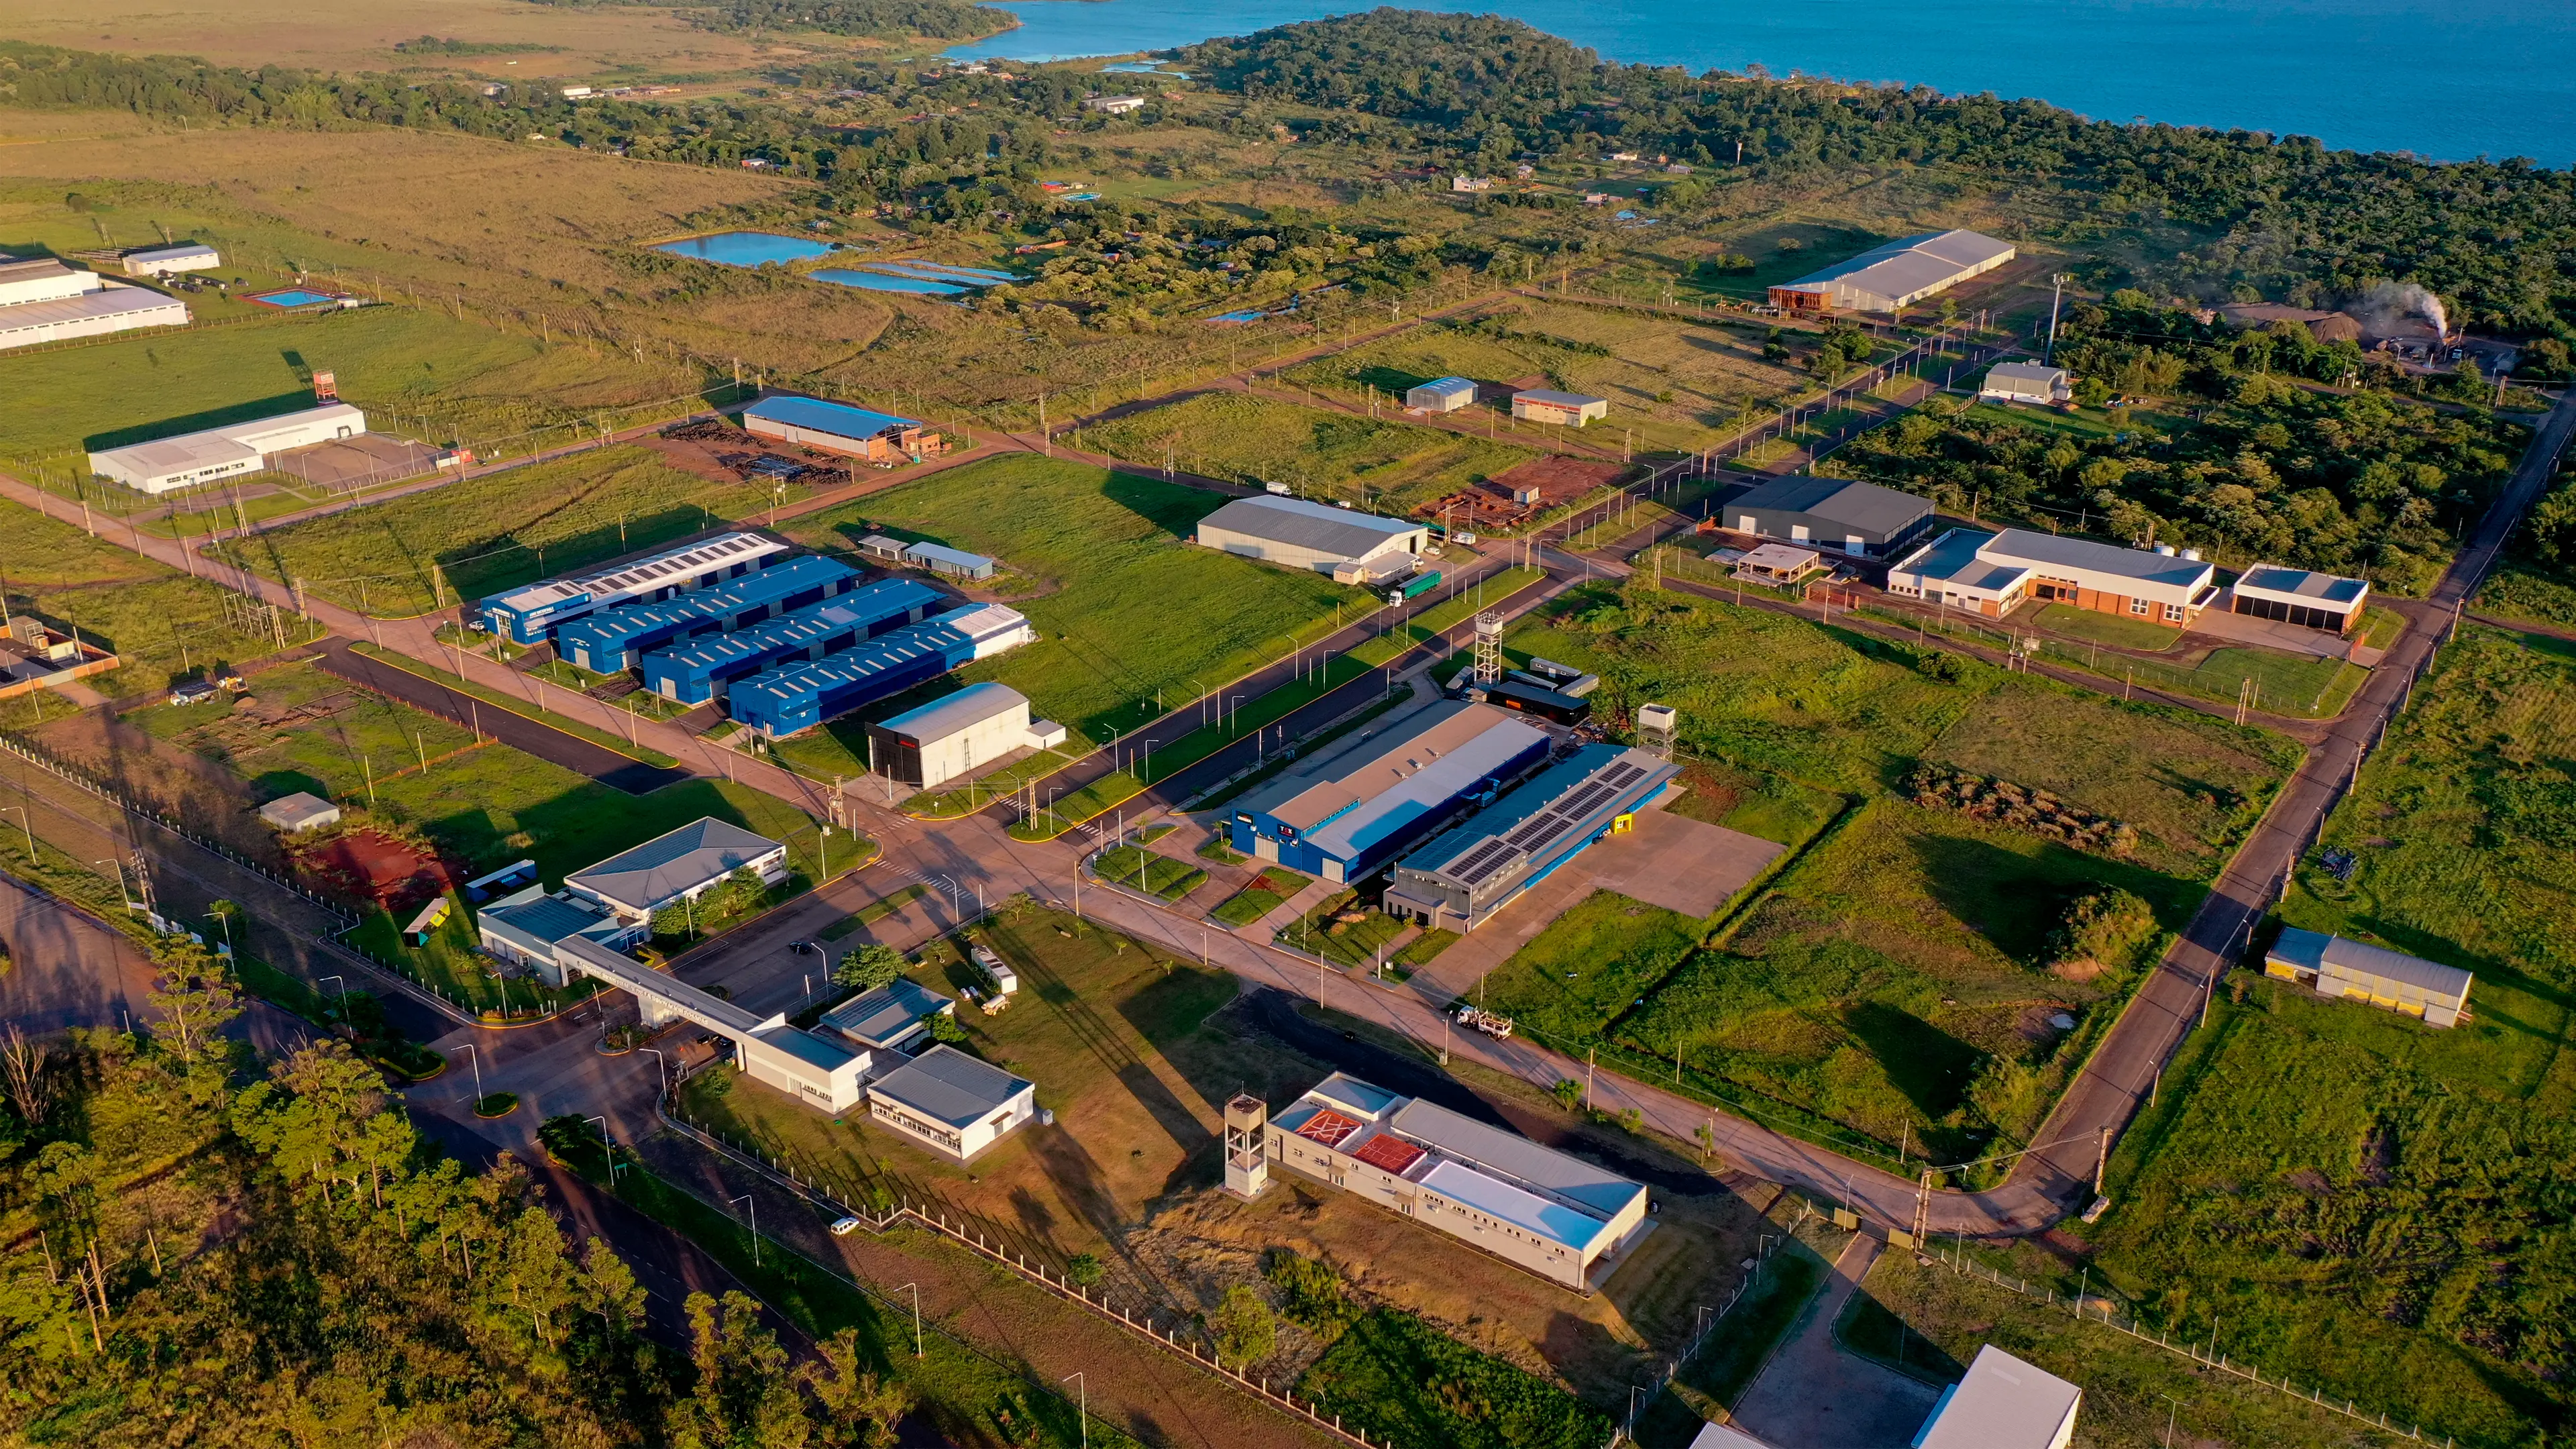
{"x":544,"y":741}
{"x":1813,"y":1395}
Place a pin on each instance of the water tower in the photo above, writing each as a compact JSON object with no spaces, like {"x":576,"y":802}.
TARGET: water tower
{"x":1657,"y":724}
{"x":1247,"y":1165}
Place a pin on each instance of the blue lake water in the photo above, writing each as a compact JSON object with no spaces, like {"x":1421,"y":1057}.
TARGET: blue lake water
{"x":881,"y":282}
{"x":2444,"y":78}
{"x":745,"y":248}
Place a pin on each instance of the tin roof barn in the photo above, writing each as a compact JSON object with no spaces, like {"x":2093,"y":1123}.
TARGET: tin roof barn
{"x":1344,"y":816}
{"x":2334,"y":966}
{"x":612,"y":641}
{"x":41,"y":300}
{"x":1565,"y":409}
{"x":162,"y":261}
{"x":1860,"y":519}
{"x":187,"y":459}
{"x":832,"y":427}
{"x":927,"y":747}
{"x":2027,"y":382}
{"x":782,"y":701}
{"x":299,"y":812}
{"x":699,"y":669}
{"x":682,"y":865}
{"x":2003,"y":1403}
{"x":952,"y":1103}
{"x":530,"y":613}
{"x":939,"y":558}
{"x":1460,"y":880}
{"x":2296,"y":596}
{"x":1353,"y":547}
{"x":1440,"y":395}
{"x":1897,"y":274}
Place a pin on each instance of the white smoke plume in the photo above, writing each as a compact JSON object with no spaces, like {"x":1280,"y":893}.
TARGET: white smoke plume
{"x":2389,"y":303}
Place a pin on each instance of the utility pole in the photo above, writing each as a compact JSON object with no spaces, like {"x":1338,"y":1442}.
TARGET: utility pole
{"x":2056,"y":291}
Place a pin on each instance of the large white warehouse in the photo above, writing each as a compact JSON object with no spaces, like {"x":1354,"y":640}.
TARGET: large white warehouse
{"x":41,"y":300}
{"x":1353,"y":547}
{"x":184,"y":461}
{"x":927,"y":747}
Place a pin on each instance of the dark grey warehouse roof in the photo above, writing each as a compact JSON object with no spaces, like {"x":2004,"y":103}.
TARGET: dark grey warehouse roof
{"x":1839,"y":500}
{"x":946,"y":1085}
{"x":701,"y":851}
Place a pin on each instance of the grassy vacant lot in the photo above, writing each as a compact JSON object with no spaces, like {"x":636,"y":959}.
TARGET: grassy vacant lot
{"x":1679,"y":384}
{"x":1894,"y":980}
{"x":2346,"y":1190}
{"x":1384,"y":465}
{"x":1395,"y":1375}
{"x":417,"y":373}
{"x":1125,"y":605}
{"x":1268,"y":892}
{"x":495,"y":531}
{"x":159,"y":621}
{"x":1152,"y":872}
{"x":484,"y":806}
{"x":2527,"y":590}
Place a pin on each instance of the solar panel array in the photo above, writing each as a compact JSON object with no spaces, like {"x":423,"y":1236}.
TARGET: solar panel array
{"x":1542,"y":831}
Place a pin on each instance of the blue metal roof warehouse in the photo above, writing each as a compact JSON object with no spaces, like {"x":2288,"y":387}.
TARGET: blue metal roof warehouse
{"x":801,"y":696}
{"x":693,"y":672}
{"x":530,"y":612}
{"x":1458,"y":881}
{"x":1352,"y":813}
{"x":613,"y":639}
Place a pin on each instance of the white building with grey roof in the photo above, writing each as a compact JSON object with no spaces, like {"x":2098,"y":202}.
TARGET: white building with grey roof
{"x":2028,"y":382}
{"x":1862,"y":520}
{"x":679,"y":866}
{"x":1895,"y":275}
{"x":970,"y":730}
{"x":894,"y":1017}
{"x":952,"y":1104}
{"x":1534,"y":1207}
{"x":184,"y":460}
{"x":2003,"y":1403}
{"x":1352,"y":546}
{"x":41,"y":300}
{"x":2298,"y":596}
{"x":1995,"y":573}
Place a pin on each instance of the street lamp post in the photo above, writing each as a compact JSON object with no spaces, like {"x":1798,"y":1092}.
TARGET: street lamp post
{"x":754,"y":1210}
{"x":915,"y":1289}
{"x":607,"y":1148}
{"x":1082,"y":1387}
{"x":120,"y":881}
{"x":476,"y":1058}
{"x":31,"y":833}
{"x":660,"y":1068}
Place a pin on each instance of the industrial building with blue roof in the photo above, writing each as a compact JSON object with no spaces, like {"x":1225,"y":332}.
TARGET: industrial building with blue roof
{"x":782,"y":702}
{"x":530,"y":613}
{"x":832,"y":427}
{"x":1346,"y":816}
{"x":1460,"y":880}
{"x":700,"y":669}
{"x":612,"y":640}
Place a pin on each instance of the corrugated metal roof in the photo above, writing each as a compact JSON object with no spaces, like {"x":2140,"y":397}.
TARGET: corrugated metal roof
{"x":1522,"y":1209}
{"x":965,"y":709}
{"x":946,"y":1085}
{"x":1865,"y":506}
{"x":547,"y":919}
{"x":2040,"y":550}
{"x":1907,"y":266}
{"x":90,"y":306}
{"x":1557,"y":399}
{"x":2298,"y":586}
{"x":2003,"y":1403}
{"x":838,"y":419}
{"x":2030,"y":372}
{"x":1308,"y":797}
{"x":930,"y":552}
{"x":2319,"y":952}
{"x":706,"y":849}
{"x":1298,"y":523}
{"x":885,"y":1014}
{"x":1513,"y":1156}
{"x":1566,"y":801}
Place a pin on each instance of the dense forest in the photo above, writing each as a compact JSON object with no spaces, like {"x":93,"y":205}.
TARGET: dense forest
{"x":939,"y":19}
{"x":2219,"y":446}
{"x":204,"y":1253}
{"x":2283,"y":215}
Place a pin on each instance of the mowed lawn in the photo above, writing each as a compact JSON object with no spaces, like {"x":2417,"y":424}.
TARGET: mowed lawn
{"x":498,"y":530}
{"x":1381,"y":464}
{"x":159,"y":622}
{"x":419,"y":373}
{"x":1124,"y":604}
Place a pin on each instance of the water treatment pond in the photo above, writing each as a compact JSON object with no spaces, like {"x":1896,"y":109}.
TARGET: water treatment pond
{"x":746,"y":248}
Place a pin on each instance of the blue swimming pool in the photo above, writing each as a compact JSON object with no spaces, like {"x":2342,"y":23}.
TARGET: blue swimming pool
{"x":293,"y":297}
{"x":745,"y":248}
{"x":881,"y":282}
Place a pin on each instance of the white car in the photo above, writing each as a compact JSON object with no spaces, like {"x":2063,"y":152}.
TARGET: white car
{"x":845,"y":1227}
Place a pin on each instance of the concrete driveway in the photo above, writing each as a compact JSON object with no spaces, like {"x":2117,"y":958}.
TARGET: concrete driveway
{"x":1812,"y":1395}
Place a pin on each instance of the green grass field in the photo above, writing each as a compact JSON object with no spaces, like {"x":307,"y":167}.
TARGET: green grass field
{"x":1155,"y":874}
{"x":489,"y":533}
{"x":1124,"y":604}
{"x":416,"y":373}
{"x":1406,"y":1382}
{"x":2347,"y":1190}
{"x":485,"y":806}
{"x":1269,"y":890}
{"x":1381,"y":464}
{"x":2117,"y":630}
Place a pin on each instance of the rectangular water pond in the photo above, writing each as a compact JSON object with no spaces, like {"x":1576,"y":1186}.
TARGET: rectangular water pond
{"x":292,"y":297}
{"x":880,"y":282}
{"x":746,"y":248}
